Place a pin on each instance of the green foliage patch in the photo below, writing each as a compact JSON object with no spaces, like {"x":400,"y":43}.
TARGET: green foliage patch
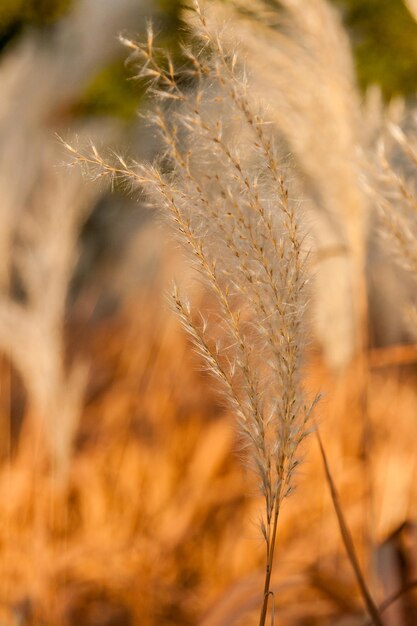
{"x":15,"y":15}
{"x":384,"y":36}
{"x":110,"y":93}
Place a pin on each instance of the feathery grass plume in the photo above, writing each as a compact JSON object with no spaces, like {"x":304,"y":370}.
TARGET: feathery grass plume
{"x":221,"y":184}
{"x":389,"y":284}
{"x":309,"y":83}
{"x":397,"y":197}
{"x":392,"y":188}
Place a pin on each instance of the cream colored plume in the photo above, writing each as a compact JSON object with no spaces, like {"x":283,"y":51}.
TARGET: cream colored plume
{"x":299,"y":62}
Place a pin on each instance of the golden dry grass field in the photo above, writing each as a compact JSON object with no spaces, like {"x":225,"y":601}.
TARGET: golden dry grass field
{"x":159,"y":520}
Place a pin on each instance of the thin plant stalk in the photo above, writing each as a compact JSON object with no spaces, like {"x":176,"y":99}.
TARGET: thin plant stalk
{"x":268,"y":570}
{"x":370,"y":604}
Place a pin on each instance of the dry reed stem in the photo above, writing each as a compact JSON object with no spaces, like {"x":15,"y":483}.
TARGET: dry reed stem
{"x":347,"y":540}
